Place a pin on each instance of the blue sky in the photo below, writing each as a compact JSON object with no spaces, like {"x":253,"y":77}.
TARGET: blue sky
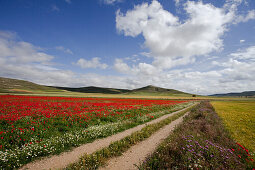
{"x":202,"y":47}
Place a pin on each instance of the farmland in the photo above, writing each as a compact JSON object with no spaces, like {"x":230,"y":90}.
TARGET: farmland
{"x":239,"y":118}
{"x":33,"y":126}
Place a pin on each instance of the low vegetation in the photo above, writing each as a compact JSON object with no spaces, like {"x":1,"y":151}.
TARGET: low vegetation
{"x":99,"y":158}
{"x":8,"y":85}
{"x":33,"y":126}
{"x":201,"y":142}
{"x":239,"y":118}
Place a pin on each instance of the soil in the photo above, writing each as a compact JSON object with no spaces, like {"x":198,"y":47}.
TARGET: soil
{"x":138,"y":153}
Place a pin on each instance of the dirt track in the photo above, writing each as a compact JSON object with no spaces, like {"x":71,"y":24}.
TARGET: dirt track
{"x":138,"y":152}
{"x":66,"y":158}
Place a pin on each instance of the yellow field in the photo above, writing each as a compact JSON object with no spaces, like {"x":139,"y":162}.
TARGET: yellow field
{"x":239,"y":118}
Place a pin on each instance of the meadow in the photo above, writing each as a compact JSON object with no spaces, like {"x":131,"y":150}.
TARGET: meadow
{"x":35,"y":126}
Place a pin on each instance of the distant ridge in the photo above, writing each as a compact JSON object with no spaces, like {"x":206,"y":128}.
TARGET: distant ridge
{"x":147,"y":90}
{"x":8,"y":85}
{"x":242,"y":94}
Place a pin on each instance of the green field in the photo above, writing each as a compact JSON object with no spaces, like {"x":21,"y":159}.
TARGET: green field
{"x":239,"y":118}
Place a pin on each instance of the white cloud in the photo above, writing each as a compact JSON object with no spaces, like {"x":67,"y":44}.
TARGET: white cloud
{"x":244,"y":18}
{"x":23,"y":60}
{"x":141,"y":69}
{"x":169,"y":38}
{"x":121,"y":67}
{"x":109,"y":2}
{"x":236,"y":74}
{"x":93,"y":63}
{"x":248,"y":53}
{"x":242,"y":41}
{"x":66,"y":50}
{"x":19,"y":51}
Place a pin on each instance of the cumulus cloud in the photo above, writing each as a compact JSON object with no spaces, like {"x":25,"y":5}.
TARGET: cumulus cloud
{"x":235,"y":74}
{"x":173,"y":42}
{"x":168,"y":38}
{"x":121,"y":67}
{"x":93,"y":63}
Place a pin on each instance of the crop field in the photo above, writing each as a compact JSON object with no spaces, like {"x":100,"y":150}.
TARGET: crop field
{"x":35,"y":126}
{"x":239,"y":118}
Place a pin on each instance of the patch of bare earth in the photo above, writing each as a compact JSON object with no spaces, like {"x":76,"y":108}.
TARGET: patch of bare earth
{"x":66,"y":158}
{"x":139,"y":152}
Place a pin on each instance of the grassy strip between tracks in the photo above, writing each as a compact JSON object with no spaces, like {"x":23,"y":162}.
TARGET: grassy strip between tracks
{"x":100,"y":157}
{"x":201,"y":142}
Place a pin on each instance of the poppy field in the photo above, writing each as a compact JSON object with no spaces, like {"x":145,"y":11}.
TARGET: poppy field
{"x":34,"y":126}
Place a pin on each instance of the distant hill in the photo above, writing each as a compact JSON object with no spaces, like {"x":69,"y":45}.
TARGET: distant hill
{"x":242,"y":94}
{"x":150,"y":90}
{"x":8,"y":85}
{"x":92,"y":89}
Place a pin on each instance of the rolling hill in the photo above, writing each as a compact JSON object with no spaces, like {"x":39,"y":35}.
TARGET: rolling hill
{"x":147,"y":90}
{"x":153,"y":90}
{"x":8,"y":85}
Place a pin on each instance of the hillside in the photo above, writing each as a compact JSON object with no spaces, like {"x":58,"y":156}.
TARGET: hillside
{"x":150,"y":90}
{"x":242,"y":94}
{"x":92,"y":89}
{"x":8,"y":85}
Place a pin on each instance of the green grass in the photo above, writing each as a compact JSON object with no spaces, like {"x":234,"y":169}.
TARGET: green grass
{"x":239,"y":119}
{"x":200,"y":142}
{"x":99,"y":158}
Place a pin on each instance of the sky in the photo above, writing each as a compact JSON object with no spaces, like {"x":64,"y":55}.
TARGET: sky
{"x":202,"y":47}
